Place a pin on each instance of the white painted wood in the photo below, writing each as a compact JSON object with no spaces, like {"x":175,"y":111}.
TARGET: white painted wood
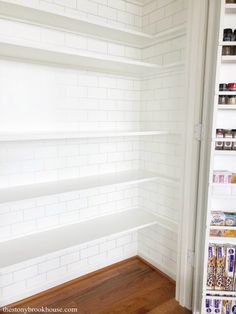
{"x":70,"y":23}
{"x":52,"y":135}
{"x":222,"y":228}
{"x":196,"y":39}
{"x":226,"y":94}
{"x":227,"y":59}
{"x":88,"y":27}
{"x":35,"y":245}
{"x":227,"y":107}
{"x":65,"y":56}
{"x":49,"y":188}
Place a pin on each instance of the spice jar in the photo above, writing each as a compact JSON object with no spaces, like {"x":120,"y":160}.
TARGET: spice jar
{"x":222,"y":100}
{"x":229,"y":135}
{"x":232,"y":87}
{"x":234,"y":137}
{"x":219,"y":134}
{"x":231,"y":100}
{"x":223,"y":87}
{"x":230,"y":1}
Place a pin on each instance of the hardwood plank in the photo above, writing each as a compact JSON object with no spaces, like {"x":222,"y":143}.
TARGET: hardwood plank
{"x":130,"y":287}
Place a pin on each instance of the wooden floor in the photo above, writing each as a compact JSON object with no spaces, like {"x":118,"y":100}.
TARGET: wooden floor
{"x":130,"y":287}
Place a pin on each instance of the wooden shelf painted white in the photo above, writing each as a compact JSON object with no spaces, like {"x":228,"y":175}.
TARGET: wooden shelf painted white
{"x":229,"y":59}
{"x":52,"y":135}
{"x":226,"y":107}
{"x":71,"y":57}
{"x":84,"y":26}
{"x":226,"y":94}
{"x":222,"y":240}
{"x":225,"y":153}
{"x":222,"y":228}
{"x":230,"y":7}
{"x":39,"y":244}
{"x":224,"y":140}
{"x":220,"y":293}
{"x":227,"y":43}
{"x":17,"y":193}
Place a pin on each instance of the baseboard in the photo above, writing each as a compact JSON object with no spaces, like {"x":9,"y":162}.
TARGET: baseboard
{"x":86,"y":276}
{"x":165,"y":271}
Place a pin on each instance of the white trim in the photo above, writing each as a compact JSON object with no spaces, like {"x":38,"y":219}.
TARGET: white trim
{"x":194,"y":87}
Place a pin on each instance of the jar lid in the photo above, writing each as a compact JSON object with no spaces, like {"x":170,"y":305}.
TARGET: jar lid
{"x":228,"y":31}
{"x":223,"y":87}
{"x":231,"y":85}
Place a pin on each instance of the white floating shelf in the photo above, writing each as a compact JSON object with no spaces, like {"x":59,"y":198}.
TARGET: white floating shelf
{"x":230,"y":185}
{"x":72,"y":57}
{"x":228,"y":59}
{"x":225,"y":153}
{"x":226,"y":107}
{"x":39,"y":244}
{"x":222,"y":228}
{"x":227,"y":43}
{"x":52,"y":135}
{"x":224,"y":140}
{"x":230,"y":7}
{"x":219,"y":293}
{"x":226,"y":94}
{"x":222,"y":240}
{"x":17,"y":193}
{"x":84,"y":26}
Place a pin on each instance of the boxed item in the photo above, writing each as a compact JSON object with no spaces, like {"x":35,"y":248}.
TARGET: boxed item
{"x":217,"y":218}
{"x":211,"y":267}
{"x":222,"y":233}
{"x":217,"y":306}
{"x":220,"y":267}
{"x":230,"y":219}
{"x":209,"y":306}
{"x":229,"y":268}
{"x":233,"y":307}
{"x":222,"y":176}
{"x":233,"y":178}
{"x":226,"y":306}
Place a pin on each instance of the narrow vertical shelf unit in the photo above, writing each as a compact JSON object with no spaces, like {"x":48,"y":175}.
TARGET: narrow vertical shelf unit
{"x":219,"y":287}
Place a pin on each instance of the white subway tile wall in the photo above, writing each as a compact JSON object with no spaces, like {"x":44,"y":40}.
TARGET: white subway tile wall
{"x":38,"y":97}
{"x":42,"y":273}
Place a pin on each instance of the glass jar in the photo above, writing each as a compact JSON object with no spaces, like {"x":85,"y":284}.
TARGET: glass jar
{"x":232,"y":87}
{"x":231,"y":100}
{"x":234,"y":137}
{"x":219,"y":134}
{"x":229,"y":135}
{"x":223,"y":87}
{"x":222,"y":100}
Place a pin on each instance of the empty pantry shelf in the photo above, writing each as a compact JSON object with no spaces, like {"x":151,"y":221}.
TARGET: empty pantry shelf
{"x":52,"y":135}
{"x":35,"y":245}
{"x":71,"y":57}
{"x":22,"y":192}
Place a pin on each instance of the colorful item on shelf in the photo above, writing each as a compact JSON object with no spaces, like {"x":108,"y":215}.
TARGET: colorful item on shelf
{"x":211,"y":268}
{"x":223,"y":87}
{"x":231,"y":100}
{"x":226,"y":306}
{"x":209,"y":306}
{"x":228,"y":134}
{"x":230,"y":268}
{"x":220,"y":267}
{"x":222,"y":176}
{"x":230,"y":219}
{"x":231,"y":87}
{"x":223,"y":100}
{"x":234,"y":136}
{"x":230,"y":1}
{"x":217,"y":218}
{"x":222,"y":233}
{"x":217,"y":306}
{"x":219,"y":134}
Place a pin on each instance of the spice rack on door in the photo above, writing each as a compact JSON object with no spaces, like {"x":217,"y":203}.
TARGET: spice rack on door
{"x":216,"y":295}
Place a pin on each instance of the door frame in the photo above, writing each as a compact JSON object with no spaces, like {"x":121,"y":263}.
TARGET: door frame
{"x":194,"y":83}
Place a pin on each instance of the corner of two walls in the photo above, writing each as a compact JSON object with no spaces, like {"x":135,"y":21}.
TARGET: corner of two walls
{"x":162,"y":106}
